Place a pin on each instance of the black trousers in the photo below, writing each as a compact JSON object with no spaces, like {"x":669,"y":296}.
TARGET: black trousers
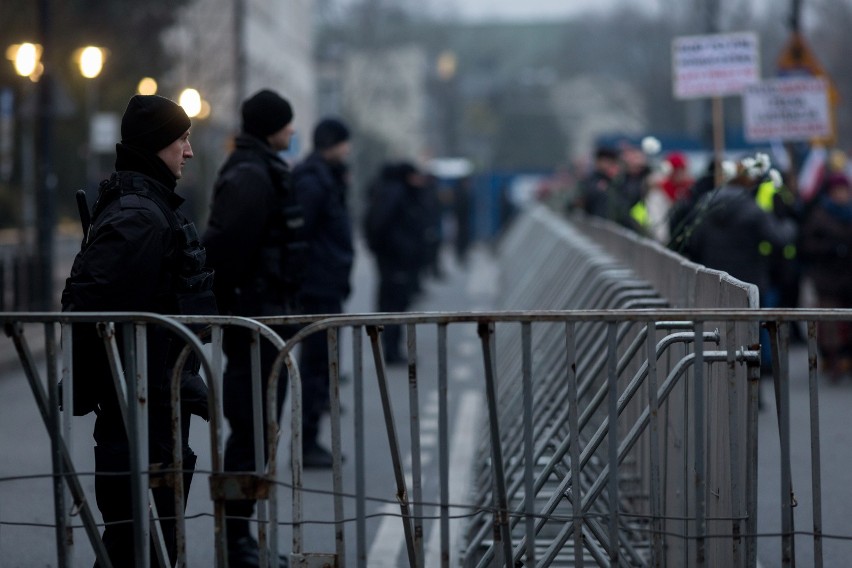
{"x":396,"y":289}
{"x":313,"y":368}
{"x":237,"y":405}
{"x":113,"y":490}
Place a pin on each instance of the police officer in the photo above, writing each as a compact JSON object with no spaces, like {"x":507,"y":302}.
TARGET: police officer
{"x":395,"y":227}
{"x":321,"y":183}
{"x":255,"y":244}
{"x":140,"y":254}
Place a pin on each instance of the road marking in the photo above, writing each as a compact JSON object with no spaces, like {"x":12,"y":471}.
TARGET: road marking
{"x":384,"y":552}
{"x":467,"y":348}
{"x":389,"y":541}
{"x":483,"y":278}
{"x":462,"y":450}
{"x":461,"y":373}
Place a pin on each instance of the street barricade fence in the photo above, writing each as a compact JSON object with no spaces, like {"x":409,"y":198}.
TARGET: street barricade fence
{"x":619,"y":419}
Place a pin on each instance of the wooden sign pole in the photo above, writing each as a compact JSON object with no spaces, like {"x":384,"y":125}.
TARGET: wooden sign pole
{"x":718,"y":139}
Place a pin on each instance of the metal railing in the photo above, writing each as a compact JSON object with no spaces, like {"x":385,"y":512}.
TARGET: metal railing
{"x":617,"y":431}
{"x":666,"y":464}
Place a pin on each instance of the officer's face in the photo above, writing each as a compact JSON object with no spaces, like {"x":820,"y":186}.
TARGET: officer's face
{"x":176,"y":154}
{"x":280,"y":140}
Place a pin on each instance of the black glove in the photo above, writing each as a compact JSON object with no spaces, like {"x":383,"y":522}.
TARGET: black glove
{"x":193,"y":394}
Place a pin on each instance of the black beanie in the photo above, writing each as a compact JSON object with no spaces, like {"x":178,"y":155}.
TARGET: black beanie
{"x":152,"y":122}
{"x":329,"y":132}
{"x":265,"y":113}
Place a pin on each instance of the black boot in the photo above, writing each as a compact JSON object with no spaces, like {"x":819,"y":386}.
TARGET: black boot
{"x":315,"y":456}
{"x":243,"y":552}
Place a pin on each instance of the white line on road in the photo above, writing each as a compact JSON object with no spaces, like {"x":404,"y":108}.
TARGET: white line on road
{"x":384,"y":553}
{"x":390,"y":538}
{"x":461,"y":373}
{"x":462,"y":449}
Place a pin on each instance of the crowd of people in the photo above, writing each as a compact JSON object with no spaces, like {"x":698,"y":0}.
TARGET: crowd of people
{"x":279,"y":241}
{"x":744,"y":218}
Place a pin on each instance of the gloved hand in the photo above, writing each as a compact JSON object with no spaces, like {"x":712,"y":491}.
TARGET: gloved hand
{"x":193,"y":394}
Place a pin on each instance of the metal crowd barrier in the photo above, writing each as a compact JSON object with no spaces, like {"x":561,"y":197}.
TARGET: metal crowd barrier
{"x":128,"y":365}
{"x":670,"y":483}
{"x":620,"y":420}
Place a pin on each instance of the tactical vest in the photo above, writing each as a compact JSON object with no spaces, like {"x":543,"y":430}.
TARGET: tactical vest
{"x":272,"y":288}
{"x":192,"y":282}
{"x":190,"y":291}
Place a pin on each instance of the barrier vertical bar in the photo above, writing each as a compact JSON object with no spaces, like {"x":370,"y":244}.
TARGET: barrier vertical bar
{"x":782,"y":397}
{"x":816,"y":465}
{"x":414,"y":413}
{"x":67,"y":338}
{"x":612,"y":440}
{"x":258,"y":437}
{"x":734,"y":445}
{"x":66,"y":373}
{"x":177,"y":484}
{"x":444,"y":445}
{"x":529,"y":447}
{"x":296,"y":456}
{"x":657,"y":558}
{"x":700,"y":448}
{"x":360,"y":475}
{"x":63,"y":532}
{"x":217,"y":440}
{"x":137,"y":435}
{"x":393,"y":442}
{"x":574,"y":432}
{"x":336,"y":446}
{"x":753,"y":372}
{"x":501,"y":504}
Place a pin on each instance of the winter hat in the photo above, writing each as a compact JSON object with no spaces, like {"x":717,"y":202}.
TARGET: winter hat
{"x":329,"y":133}
{"x":677,"y":160}
{"x":265,"y":113}
{"x":152,"y":122}
{"x":606,"y":153}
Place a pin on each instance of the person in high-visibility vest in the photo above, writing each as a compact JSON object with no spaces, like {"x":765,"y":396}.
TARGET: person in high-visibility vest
{"x":785,"y":270}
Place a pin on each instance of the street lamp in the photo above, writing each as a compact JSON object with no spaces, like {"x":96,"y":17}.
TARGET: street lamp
{"x":26,"y":58}
{"x":190,"y":100}
{"x":147,"y":86}
{"x":90,"y":59}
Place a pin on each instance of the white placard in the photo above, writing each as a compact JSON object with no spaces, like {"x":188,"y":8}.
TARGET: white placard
{"x":714,"y":65}
{"x":790,"y":108}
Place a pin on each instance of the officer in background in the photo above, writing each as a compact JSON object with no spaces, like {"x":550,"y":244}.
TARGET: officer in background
{"x":600,"y":193}
{"x":395,"y":225}
{"x":255,"y":243}
{"x":140,"y":254}
{"x":321,"y":184}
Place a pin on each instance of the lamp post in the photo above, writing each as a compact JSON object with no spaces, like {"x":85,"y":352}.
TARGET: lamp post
{"x":446,"y":68}
{"x":91,"y":61}
{"x":26,"y":60}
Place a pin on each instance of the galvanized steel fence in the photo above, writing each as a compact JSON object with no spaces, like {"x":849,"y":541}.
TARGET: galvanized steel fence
{"x":620,"y":420}
{"x":647,"y":489}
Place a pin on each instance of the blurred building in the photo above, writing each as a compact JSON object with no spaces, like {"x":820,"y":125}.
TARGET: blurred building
{"x":384,"y":92}
{"x":229,"y":49}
